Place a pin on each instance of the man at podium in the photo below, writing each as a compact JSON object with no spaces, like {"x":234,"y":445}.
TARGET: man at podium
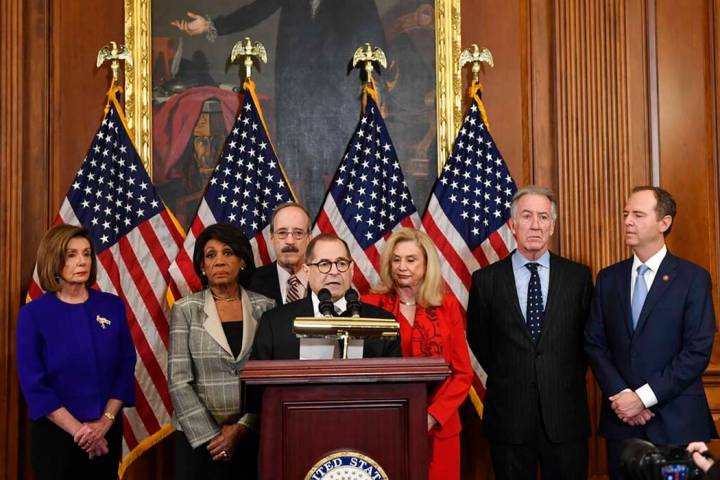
{"x":328,"y":266}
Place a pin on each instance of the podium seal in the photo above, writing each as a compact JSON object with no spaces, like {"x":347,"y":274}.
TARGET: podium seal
{"x":346,"y":465}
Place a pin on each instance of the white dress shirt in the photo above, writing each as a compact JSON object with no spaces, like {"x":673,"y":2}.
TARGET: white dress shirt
{"x":327,"y":348}
{"x":653,"y":263}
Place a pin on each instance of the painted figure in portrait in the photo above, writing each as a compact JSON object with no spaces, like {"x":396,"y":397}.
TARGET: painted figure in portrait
{"x":310,"y":103}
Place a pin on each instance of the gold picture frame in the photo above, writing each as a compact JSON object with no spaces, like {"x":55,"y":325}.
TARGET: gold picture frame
{"x":138,"y":76}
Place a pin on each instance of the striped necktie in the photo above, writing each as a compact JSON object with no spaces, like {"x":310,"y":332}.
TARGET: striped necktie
{"x":293,"y":289}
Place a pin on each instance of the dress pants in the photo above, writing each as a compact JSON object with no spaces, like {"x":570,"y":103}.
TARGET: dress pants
{"x":557,"y":461}
{"x":196,"y":463}
{"x":54,"y":455}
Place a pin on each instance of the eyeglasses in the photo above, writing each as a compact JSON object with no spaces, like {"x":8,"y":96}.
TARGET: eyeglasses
{"x":324,"y":266}
{"x":296,"y":234}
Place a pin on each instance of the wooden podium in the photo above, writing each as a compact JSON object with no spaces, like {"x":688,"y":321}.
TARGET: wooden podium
{"x":313,"y":408}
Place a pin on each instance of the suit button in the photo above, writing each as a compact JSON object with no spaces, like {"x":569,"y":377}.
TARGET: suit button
{"x":537,"y":354}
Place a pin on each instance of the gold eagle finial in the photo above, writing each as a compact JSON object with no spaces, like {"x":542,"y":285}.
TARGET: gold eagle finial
{"x":369,"y":55}
{"x":476,"y":57}
{"x":114,"y":52}
{"x":248,"y":51}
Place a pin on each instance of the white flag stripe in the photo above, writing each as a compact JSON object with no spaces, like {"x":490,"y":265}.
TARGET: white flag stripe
{"x":452,"y":235}
{"x":150,"y":267}
{"x":477,"y":368}
{"x":139,"y":307}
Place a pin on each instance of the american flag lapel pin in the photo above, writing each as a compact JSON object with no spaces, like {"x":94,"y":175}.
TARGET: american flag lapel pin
{"x":104,"y":322}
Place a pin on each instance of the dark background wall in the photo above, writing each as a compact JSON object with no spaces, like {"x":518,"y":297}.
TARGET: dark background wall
{"x":589,"y":97}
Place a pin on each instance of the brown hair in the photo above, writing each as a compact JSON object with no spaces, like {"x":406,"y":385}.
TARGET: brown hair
{"x":430,"y":293}
{"x":51,"y":255}
{"x":665,"y":204}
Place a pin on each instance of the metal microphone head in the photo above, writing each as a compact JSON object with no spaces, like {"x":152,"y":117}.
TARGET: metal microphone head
{"x":353,"y":302}
{"x":326,"y":307}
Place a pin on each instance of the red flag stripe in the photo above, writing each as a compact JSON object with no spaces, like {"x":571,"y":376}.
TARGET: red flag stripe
{"x":144,"y":410}
{"x":145,"y":352}
{"x":145,"y":290}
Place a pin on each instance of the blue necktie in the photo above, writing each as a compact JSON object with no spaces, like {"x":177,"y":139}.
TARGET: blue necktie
{"x":534,"y":310}
{"x":639,"y":293}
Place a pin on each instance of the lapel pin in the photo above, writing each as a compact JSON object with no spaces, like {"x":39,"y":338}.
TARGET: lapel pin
{"x":666,"y":278}
{"x":104,"y":322}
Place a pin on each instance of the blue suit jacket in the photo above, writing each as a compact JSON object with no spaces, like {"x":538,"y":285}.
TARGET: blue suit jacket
{"x":669,"y":349}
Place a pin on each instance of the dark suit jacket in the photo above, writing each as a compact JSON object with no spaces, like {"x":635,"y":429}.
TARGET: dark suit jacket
{"x":669,"y":349}
{"x":521,"y":374}
{"x":275,"y":340}
{"x":265,"y":281}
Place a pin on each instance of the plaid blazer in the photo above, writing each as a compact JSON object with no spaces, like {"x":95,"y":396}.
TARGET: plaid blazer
{"x":202,"y":371}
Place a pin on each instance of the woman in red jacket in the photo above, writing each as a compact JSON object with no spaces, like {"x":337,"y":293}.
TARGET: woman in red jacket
{"x":431,"y":325}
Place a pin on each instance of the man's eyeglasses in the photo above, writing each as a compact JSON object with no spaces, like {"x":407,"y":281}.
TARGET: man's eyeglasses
{"x":324,"y":266}
{"x":296,"y":234}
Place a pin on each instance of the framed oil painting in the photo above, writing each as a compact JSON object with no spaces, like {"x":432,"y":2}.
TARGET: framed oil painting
{"x":182,"y":86}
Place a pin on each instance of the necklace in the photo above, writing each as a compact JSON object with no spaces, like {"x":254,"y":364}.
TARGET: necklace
{"x":411,"y":303}
{"x":229,"y":298}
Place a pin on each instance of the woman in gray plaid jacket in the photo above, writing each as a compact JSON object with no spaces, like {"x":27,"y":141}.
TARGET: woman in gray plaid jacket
{"x":211,"y":335}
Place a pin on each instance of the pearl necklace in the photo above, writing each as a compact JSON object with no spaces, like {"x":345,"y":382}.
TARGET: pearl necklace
{"x":411,"y":303}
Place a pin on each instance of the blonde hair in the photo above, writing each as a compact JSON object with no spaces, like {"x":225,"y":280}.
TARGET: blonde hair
{"x":51,"y":255}
{"x":430,"y":293}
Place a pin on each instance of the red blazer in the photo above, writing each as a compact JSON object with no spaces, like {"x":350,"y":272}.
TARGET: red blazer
{"x":437,"y":331}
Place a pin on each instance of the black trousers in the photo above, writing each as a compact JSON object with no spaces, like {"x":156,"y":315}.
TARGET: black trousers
{"x":55,"y":456}
{"x":557,"y":461}
{"x":196,"y":463}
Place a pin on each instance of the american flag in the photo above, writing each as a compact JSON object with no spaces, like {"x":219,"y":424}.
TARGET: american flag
{"x":368,"y":198}
{"x":135,"y":237}
{"x":246,"y":186}
{"x":468,"y":212}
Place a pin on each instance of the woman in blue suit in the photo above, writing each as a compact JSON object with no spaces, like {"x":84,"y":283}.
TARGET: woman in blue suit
{"x":75,"y":362}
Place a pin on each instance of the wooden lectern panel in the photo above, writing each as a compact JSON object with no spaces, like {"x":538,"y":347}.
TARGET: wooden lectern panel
{"x":383,"y":422}
{"x":374,"y":407}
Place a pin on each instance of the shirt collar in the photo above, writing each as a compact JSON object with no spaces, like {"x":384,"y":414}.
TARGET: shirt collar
{"x":283,"y":275}
{"x":340,"y":305}
{"x":653,"y":263}
{"x":519,"y":260}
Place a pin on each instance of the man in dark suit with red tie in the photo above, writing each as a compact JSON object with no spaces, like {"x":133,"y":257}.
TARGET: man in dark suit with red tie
{"x":650,"y":335}
{"x":525,"y":321}
{"x":285,"y":280}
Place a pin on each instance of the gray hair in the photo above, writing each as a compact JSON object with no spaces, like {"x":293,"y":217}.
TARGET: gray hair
{"x":283,"y":206}
{"x":534,"y":190}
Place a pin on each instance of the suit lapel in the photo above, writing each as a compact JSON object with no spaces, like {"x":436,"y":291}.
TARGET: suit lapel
{"x":508,"y":283}
{"x":249,"y":323}
{"x":622,"y":283}
{"x":556,"y":276}
{"x":304,"y":308}
{"x":664,"y":277}
{"x":275,"y":282}
{"x":213,"y":325}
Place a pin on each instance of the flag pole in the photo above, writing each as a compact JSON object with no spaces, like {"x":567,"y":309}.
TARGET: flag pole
{"x":252,"y":53}
{"x":476,"y":57}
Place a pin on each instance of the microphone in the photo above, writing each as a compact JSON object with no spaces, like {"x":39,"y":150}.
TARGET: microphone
{"x":326,"y":307}
{"x":353,"y":302}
